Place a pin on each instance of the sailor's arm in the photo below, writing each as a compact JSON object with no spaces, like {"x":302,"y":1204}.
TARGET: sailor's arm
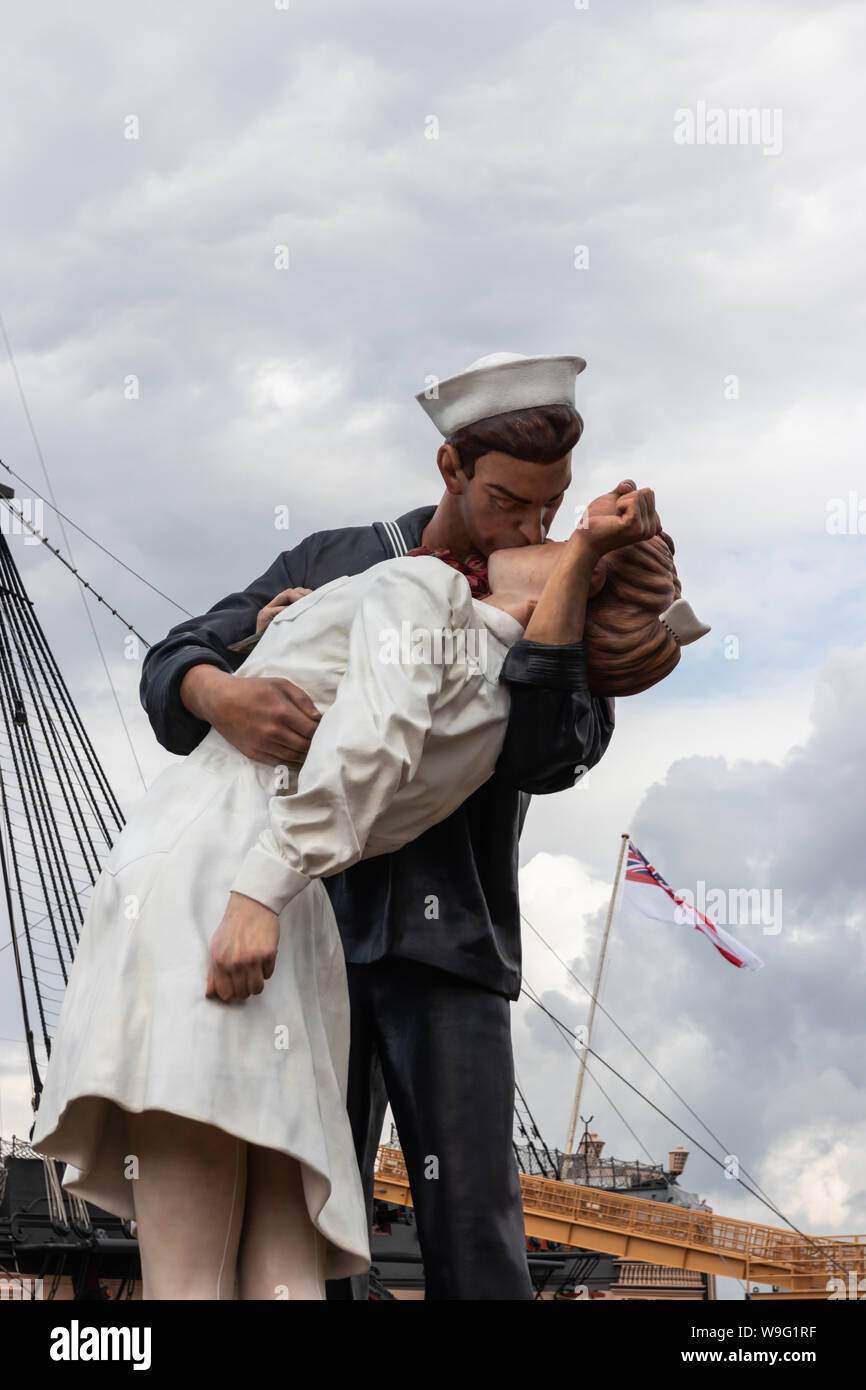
{"x":556,"y":728}
{"x":187,"y":680}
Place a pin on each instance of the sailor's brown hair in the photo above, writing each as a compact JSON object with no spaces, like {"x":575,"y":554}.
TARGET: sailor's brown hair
{"x":541,"y":434}
{"x":627,"y":648}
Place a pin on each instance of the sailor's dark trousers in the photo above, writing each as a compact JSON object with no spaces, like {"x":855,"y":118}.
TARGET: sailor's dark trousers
{"x":438,"y":1047}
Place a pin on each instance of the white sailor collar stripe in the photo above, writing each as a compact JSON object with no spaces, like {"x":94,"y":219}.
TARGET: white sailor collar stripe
{"x":395,"y":536}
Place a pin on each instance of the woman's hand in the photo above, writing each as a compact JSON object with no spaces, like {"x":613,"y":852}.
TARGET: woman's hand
{"x":243,"y":949}
{"x":276,"y":605}
{"x":616,"y":519}
{"x":619,"y":518}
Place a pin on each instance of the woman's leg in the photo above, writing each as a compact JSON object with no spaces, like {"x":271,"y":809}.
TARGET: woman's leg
{"x":281,"y":1255}
{"x":189,"y":1202}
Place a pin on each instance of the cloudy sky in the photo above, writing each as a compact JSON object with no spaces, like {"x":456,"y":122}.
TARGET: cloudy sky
{"x":449,"y":181}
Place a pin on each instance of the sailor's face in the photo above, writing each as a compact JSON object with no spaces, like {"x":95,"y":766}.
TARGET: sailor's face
{"x":511,"y":502}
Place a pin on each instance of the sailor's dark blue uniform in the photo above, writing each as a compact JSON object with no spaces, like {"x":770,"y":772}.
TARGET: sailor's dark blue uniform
{"x":429,"y":995}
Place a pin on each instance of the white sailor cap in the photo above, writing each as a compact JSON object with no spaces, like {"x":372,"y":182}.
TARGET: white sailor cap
{"x":496,"y":384}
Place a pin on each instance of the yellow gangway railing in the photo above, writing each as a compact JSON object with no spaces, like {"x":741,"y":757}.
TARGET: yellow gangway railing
{"x":592,"y":1218}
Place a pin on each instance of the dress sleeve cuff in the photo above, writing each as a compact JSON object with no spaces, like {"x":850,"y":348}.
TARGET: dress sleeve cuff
{"x":268,"y":879}
{"x":561,"y":666}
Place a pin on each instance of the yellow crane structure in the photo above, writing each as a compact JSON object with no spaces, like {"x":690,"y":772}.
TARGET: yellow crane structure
{"x":591,"y":1218}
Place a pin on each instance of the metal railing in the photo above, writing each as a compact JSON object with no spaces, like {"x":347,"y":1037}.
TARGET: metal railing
{"x":674,"y":1225}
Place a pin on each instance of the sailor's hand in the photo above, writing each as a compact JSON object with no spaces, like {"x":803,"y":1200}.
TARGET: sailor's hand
{"x":277,"y":605}
{"x":268,"y":718}
{"x":243,"y":950}
{"x":618,"y":518}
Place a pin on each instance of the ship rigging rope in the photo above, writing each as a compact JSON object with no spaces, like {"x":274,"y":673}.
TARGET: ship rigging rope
{"x":533,"y":996}
{"x":72,"y":569}
{"x":724,"y":1147}
{"x":53,"y":503}
{"x":568,"y":1035}
{"x":104,"y":548}
{"x":758,"y":1191}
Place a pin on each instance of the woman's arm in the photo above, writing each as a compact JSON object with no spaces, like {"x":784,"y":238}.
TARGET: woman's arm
{"x":557,"y":729}
{"x":560,"y":613}
{"x":368,"y":744}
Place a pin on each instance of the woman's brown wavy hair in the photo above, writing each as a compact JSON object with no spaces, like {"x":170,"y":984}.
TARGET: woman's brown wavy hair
{"x":627,"y":648}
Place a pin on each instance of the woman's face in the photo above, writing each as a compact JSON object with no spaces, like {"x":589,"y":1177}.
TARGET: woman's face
{"x":523,"y":569}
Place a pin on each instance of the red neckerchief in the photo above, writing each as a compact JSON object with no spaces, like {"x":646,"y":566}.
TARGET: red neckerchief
{"x":474,"y":567}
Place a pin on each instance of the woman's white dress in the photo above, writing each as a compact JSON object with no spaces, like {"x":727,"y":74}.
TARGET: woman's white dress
{"x":136,"y":1031}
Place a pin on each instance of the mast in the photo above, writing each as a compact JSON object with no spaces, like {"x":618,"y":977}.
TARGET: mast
{"x":58,"y":813}
{"x":575,"y":1108}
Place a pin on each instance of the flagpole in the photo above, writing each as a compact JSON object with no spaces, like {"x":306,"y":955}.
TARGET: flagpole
{"x":575,"y":1108}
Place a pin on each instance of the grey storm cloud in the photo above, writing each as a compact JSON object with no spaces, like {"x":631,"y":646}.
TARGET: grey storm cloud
{"x":758,"y":1056}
